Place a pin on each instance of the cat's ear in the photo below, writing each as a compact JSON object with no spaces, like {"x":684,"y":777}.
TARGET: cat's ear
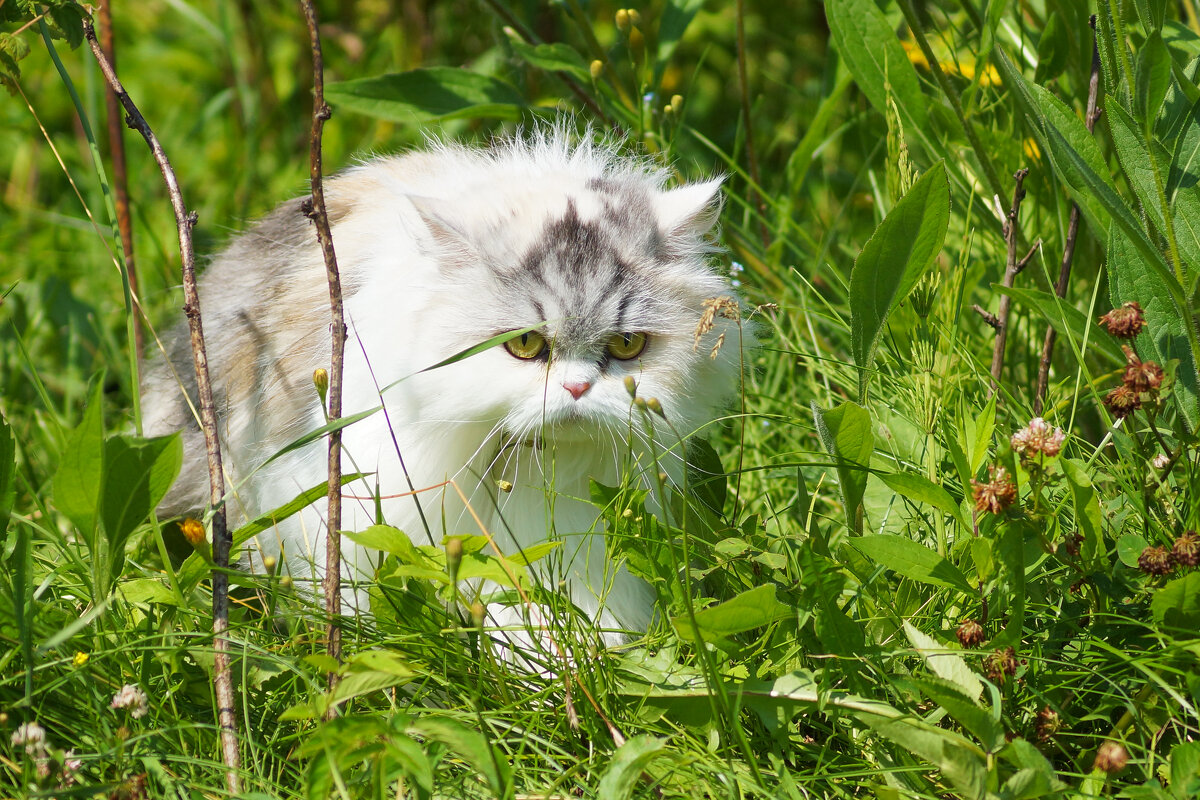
{"x":449,"y":240}
{"x":689,"y":210}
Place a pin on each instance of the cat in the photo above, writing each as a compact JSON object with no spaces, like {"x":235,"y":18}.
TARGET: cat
{"x":440,"y":249}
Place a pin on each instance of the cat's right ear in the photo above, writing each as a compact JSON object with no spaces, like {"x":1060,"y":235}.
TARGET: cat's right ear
{"x":689,"y":210}
{"x":446,"y":240}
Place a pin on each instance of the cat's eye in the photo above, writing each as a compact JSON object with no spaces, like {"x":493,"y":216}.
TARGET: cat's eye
{"x":626,"y":345}
{"x":526,"y":346}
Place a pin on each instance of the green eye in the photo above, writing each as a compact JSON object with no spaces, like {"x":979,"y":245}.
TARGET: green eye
{"x":526,"y":346}
{"x":626,"y":345}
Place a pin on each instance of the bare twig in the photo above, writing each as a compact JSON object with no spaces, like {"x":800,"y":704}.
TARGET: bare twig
{"x":1064,"y":272}
{"x":755,"y":198}
{"x":116,"y":148}
{"x":988,"y":317}
{"x":1011,"y":269}
{"x":184,"y":221}
{"x":315,"y":210}
{"x":1024,"y":262}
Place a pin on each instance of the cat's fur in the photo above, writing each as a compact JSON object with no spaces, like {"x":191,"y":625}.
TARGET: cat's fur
{"x":438,"y":250}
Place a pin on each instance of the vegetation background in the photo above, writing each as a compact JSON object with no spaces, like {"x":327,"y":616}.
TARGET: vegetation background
{"x":896,"y":598}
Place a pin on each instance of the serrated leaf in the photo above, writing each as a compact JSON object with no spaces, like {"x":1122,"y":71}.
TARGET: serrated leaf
{"x":428,"y":93}
{"x":913,"y":560}
{"x":920,"y":489}
{"x":898,"y":253}
{"x":751,"y":609}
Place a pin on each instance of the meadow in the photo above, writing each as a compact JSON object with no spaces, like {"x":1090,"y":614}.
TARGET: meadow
{"x":950,"y":549}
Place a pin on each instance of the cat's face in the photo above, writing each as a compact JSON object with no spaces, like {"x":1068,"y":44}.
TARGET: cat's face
{"x":613,"y":277}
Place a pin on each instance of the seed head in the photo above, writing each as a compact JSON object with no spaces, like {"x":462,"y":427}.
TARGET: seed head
{"x":970,"y":633}
{"x":997,"y":494}
{"x":1071,"y":543}
{"x":1037,"y":438}
{"x":725,"y":307}
{"x":1141,"y":376}
{"x":1125,"y":322}
{"x":1187,"y":549}
{"x":1000,"y":664}
{"x":1047,"y":724}
{"x":1156,"y":561}
{"x":1122,"y":401}
{"x":1111,"y":758}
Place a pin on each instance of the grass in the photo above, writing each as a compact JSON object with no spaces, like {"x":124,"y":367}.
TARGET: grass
{"x":849,"y":547}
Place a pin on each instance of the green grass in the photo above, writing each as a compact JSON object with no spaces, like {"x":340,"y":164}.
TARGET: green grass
{"x":848,"y":545}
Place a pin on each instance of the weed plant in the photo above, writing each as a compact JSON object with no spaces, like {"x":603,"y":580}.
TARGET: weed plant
{"x":905,"y":582}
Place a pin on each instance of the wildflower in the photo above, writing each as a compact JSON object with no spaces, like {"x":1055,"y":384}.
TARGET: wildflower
{"x":80,"y":659}
{"x":1156,"y":561}
{"x":1187,"y":549}
{"x":321,"y":382}
{"x":1122,"y":401}
{"x":193,"y":531}
{"x":970,"y":633}
{"x":997,"y":494}
{"x":132,"y":698}
{"x":1111,"y":758}
{"x":1125,"y":322}
{"x":1071,"y":543}
{"x":32,"y":737}
{"x":1141,"y":376}
{"x":1038,"y":438}
{"x":1047,"y":724}
{"x":1001,"y":663}
{"x":1160,"y":461}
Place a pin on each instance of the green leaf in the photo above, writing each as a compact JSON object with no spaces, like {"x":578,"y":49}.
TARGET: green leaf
{"x":1185,"y":770}
{"x":1135,"y":160}
{"x":706,"y":475}
{"x":1152,"y":78}
{"x":626,"y":766}
{"x":8,"y":469}
{"x":389,"y":540}
{"x":472,"y":746}
{"x":892,"y":261}
{"x":138,"y":473}
{"x":676,"y":16}
{"x":1177,"y":605}
{"x":961,"y":762}
{"x":977,"y":721}
{"x":867,"y":42}
{"x":556,"y":57}
{"x":1068,"y":321}
{"x":750,"y":609}
{"x":428,"y":93}
{"x":922,"y":490}
{"x":1185,"y":158}
{"x":1088,"y":518}
{"x":912,"y":560}
{"x":846,"y":435}
{"x":945,"y":663}
{"x":1129,"y":549}
{"x":1166,"y":335}
{"x":80,"y":476}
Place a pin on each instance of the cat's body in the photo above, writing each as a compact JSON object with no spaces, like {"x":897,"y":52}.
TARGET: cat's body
{"x":439,"y":250}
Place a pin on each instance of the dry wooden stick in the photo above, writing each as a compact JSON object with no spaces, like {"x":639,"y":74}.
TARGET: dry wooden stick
{"x":1064,"y":272}
{"x":314,"y":209}
{"x":1012,"y":267}
{"x":116,"y":148}
{"x":184,"y":221}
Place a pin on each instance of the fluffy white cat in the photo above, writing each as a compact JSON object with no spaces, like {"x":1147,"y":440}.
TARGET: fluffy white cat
{"x":439,"y":250}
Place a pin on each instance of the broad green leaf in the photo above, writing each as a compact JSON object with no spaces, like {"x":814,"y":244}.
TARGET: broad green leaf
{"x":625,"y":768}
{"x":891,"y":262}
{"x":1068,"y":321}
{"x":428,"y":93}
{"x":945,"y":663}
{"x":380,"y":661}
{"x":1166,"y":335}
{"x":1088,"y":518}
{"x":472,"y":746}
{"x":962,"y":763}
{"x":846,"y":434}
{"x":706,"y":475}
{"x":920,"y":489}
{"x":868,"y":44}
{"x":1185,"y":158}
{"x":138,"y":473}
{"x":147,"y":590}
{"x":1129,"y":548}
{"x":1135,"y":160}
{"x":749,"y":610}
{"x":80,"y":476}
{"x":1185,"y":770}
{"x":1177,"y":605}
{"x":977,"y":721}
{"x":913,"y":560}
{"x":556,"y":57}
{"x":1153,"y":78}
{"x":389,"y":540}
{"x":368,"y":681}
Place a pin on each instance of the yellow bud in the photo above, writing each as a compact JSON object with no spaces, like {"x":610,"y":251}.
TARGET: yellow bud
{"x":285,"y":582}
{"x":193,"y":531}
{"x":321,"y":381}
{"x":622,"y":20}
{"x":477,"y":614}
{"x":662,"y":477}
{"x":627,"y":513}
{"x":631,"y":386}
{"x":454,"y":554}
{"x":80,"y":659}
{"x":640,"y":402}
{"x":676,"y":103}
{"x":655,"y":406}
{"x":634,"y":16}
{"x":269,"y":563}
{"x":596,"y":68}
{"x":505,"y":486}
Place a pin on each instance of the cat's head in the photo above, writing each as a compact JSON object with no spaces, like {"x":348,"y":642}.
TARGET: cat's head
{"x":609,"y":266}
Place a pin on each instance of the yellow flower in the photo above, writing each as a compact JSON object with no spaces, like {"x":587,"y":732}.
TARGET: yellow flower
{"x":915,"y":54}
{"x":80,"y":659}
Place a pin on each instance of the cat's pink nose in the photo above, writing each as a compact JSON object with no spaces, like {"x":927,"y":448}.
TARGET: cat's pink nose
{"x":577,"y":389}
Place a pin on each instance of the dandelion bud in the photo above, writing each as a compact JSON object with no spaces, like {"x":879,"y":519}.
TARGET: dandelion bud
{"x":454,"y":554}
{"x":505,"y":486}
{"x":321,"y":381}
{"x":631,"y":386}
{"x":269,"y":563}
{"x":477,"y":614}
{"x":622,"y":20}
{"x":655,"y":406}
{"x":193,"y":531}
{"x":1111,"y":758}
{"x":596,"y":68}
{"x":640,"y":402}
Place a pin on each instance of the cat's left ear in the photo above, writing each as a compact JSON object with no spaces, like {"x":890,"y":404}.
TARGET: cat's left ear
{"x":689,"y":210}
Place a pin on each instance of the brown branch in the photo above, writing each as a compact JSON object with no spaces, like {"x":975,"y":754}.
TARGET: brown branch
{"x":315,"y":210}
{"x":116,"y":148}
{"x":1024,"y":262}
{"x":988,"y":317}
{"x":184,"y":221}
{"x":1011,"y":235}
{"x":1064,"y":272}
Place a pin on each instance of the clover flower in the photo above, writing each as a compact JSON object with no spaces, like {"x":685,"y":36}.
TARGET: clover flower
{"x":1037,"y":438}
{"x":995,"y":495}
{"x":32,"y":737}
{"x":1125,"y":322}
{"x":132,"y":698}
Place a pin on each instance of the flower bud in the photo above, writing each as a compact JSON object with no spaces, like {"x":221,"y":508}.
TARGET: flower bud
{"x":655,"y":406}
{"x":596,"y":68}
{"x":454,"y":554}
{"x":477,"y":614}
{"x":634,"y":17}
{"x":193,"y":531}
{"x":269,"y":563}
{"x":321,"y":381}
{"x":1111,"y":758}
{"x":640,"y":402}
{"x":631,"y":386}
{"x":622,"y":20}
{"x":285,"y":582}
{"x":636,"y":43}
{"x":970,"y":633}
{"x":505,"y":486}
{"x":676,"y":103}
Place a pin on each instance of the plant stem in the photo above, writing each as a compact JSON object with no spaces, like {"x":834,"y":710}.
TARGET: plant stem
{"x":1012,"y":267}
{"x":184,"y":222}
